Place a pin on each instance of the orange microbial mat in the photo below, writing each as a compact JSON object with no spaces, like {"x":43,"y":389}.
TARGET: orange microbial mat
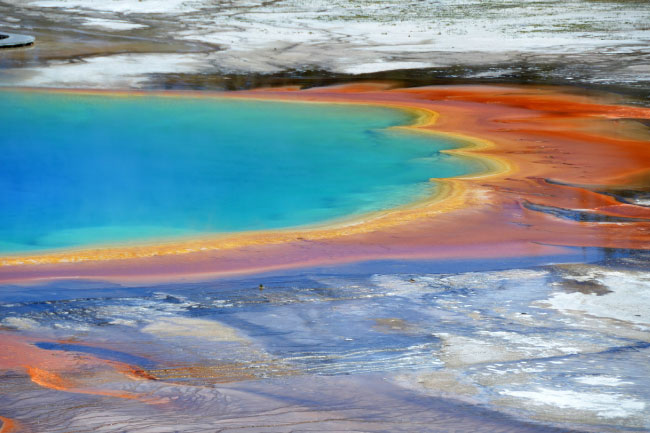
{"x":556,"y":167}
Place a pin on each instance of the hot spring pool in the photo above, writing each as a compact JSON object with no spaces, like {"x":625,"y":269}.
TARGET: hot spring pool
{"x":87,"y":169}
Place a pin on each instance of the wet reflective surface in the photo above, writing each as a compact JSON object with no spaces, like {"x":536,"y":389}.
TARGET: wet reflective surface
{"x":83,"y":170}
{"x":489,"y":346}
{"x":539,"y":322}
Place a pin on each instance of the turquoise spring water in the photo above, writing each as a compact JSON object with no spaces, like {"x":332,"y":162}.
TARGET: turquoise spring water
{"x":79,"y":170}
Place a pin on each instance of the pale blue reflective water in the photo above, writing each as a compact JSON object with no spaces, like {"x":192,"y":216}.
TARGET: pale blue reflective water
{"x":87,"y":169}
{"x":327,"y":350}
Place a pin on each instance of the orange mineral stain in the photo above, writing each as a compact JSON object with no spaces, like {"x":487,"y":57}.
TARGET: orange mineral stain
{"x":51,"y":380}
{"x":17,"y":352}
{"x":548,"y":154}
{"x":56,"y":370}
{"x":9,"y":425}
{"x":47,"y":379}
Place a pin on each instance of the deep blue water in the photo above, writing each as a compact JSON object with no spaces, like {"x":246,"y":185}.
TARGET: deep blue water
{"x":100,"y":352}
{"x":90,"y":169}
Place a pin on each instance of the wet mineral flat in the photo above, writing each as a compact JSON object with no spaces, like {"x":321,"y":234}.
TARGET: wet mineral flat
{"x":491,"y":346}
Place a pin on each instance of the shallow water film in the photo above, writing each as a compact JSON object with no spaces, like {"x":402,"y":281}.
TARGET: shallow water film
{"x":361,"y":258}
{"x":337,"y":349}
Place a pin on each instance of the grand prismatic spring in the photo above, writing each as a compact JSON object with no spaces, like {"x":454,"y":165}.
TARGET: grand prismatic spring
{"x":258,"y":276}
{"x":275,"y":218}
{"x":188,"y":166}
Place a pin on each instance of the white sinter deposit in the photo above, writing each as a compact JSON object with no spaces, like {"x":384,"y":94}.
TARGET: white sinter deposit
{"x":367,"y":36}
